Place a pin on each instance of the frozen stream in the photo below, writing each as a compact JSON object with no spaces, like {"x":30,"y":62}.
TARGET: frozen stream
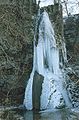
{"x":46,"y":63}
{"x":63,"y":114}
{"x":20,"y":114}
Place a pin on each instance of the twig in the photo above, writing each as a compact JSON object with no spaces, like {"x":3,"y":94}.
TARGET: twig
{"x":77,"y":82}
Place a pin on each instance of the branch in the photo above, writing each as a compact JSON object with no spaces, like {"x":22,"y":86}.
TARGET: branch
{"x":7,"y":57}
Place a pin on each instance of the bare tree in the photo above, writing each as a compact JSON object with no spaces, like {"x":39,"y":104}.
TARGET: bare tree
{"x":70,"y":7}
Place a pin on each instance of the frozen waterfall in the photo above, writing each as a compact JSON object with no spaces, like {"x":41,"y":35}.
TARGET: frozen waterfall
{"x":46,"y":63}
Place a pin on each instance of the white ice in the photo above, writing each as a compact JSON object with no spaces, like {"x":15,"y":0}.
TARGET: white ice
{"x":46,"y":63}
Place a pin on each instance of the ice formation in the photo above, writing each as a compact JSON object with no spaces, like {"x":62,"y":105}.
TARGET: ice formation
{"x":46,"y":63}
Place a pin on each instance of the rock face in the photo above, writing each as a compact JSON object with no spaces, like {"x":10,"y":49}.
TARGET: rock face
{"x":71,"y":34}
{"x":16,"y":46}
{"x":37,"y":89}
{"x":16,"y":36}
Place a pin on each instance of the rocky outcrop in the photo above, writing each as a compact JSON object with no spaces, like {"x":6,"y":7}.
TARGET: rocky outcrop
{"x":71,"y":34}
{"x":72,"y":87}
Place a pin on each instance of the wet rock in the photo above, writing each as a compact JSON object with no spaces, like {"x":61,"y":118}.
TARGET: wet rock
{"x":37,"y":89}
